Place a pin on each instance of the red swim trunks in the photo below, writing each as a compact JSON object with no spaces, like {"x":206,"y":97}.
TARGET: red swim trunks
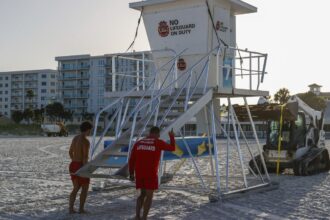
{"x":146,"y":183}
{"x":73,"y":168}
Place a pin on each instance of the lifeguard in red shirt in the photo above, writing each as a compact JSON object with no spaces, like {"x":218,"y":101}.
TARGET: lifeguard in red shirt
{"x":144,"y":163}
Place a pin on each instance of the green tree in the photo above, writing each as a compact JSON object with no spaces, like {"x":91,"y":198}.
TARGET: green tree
{"x":55,"y":110}
{"x":282,"y":96}
{"x":28,"y":114}
{"x":17,"y":116}
{"x":67,"y":115}
{"x":38,"y":116}
{"x":314,"y":101}
{"x":30,"y":94}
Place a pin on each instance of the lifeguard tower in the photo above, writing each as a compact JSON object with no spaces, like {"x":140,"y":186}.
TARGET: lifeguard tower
{"x":193,"y":44}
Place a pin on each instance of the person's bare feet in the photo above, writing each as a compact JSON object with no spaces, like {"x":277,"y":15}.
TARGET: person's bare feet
{"x":72,"y":211}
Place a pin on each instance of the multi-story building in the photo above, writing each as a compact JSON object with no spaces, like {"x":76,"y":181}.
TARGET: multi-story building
{"x":83,"y":79}
{"x":316,"y":89}
{"x":20,"y":90}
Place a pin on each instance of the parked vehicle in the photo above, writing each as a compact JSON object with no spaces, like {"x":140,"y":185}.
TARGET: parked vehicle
{"x":53,"y":130}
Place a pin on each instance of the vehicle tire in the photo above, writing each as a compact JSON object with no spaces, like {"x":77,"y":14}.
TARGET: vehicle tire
{"x":66,"y":134}
{"x":297,"y":168}
{"x":49,"y":134}
{"x":326,"y":160}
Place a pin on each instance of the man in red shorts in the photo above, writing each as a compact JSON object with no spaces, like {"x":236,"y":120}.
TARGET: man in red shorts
{"x":144,"y":162}
{"x":79,"y":150}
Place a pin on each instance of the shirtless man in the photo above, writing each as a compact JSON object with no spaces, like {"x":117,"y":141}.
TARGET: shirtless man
{"x":143,"y":167}
{"x":79,"y":150}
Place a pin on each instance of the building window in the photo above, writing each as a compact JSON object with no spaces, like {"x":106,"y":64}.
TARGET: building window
{"x":6,"y":77}
{"x":0,"y":78}
{"x":0,"y":92}
{"x":52,"y":91}
{"x":44,"y":91}
{"x":44,"y":83}
{"x":6,"y":92}
{"x":43,"y":99}
{"x":0,"y":84}
{"x":6,"y":99}
{"x":6,"y":106}
{"x":52,"y":83}
{"x":43,"y":76}
{"x":53,"y":76}
{"x":6,"y":85}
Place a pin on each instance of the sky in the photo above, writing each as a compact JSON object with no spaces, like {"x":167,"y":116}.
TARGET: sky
{"x":294,"y":33}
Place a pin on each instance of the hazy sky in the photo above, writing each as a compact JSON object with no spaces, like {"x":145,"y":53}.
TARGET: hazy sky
{"x":294,"y":33}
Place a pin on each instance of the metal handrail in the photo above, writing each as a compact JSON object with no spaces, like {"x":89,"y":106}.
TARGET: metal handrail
{"x":252,"y":56}
{"x":190,"y":71}
{"x":160,"y":93}
{"x":93,"y":147}
{"x":198,"y":80}
{"x":142,"y":98}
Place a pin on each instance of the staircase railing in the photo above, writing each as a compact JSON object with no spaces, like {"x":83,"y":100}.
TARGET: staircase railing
{"x":121,"y":99}
{"x":186,"y":85}
{"x":155,"y":99}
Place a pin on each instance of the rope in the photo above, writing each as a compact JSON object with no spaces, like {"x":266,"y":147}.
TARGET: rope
{"x":279,"y":142}
{"x":213,"y":25}
{"x":136,"y":32}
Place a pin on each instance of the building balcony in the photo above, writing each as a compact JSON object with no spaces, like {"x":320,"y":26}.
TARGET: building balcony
{"x":31,"y":86}
{"x":16,"y":102}
{"x":17,"y":87}
{"x":75,"y":106}
{"x":74,"y":68}
{"x":16,"y":94}
{"x":30,"y":79}
{"x":16,"y":107}
{"x":31,"y":101}
{"x":69,"y":86}
{"x":15,"y":83}
{"x":78,"y":77}
{"x":79,"y":96}
{"x":82,"y":67}
{"x":108,"y":65}
{"x":17,"y":79}
{"x":83,"y":86}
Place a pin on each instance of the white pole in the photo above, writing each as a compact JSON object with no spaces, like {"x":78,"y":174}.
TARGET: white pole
{"x":113,"y":73}
{"x":138,"y":74}
{"x":217,"y":171}
{"x":227,"y":150}
{"x":209,"y":141}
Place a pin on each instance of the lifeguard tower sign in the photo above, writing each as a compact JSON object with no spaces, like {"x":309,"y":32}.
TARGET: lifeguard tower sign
{"x":174,"y":28}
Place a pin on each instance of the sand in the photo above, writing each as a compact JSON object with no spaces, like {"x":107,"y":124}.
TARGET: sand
{"x":34,"y":184}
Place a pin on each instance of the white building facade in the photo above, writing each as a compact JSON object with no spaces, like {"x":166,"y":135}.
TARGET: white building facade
{"x":14,"y":87}
{"x":84,"y":79}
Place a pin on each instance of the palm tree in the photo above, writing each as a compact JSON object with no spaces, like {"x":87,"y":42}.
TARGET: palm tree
{"x":30,"y":94}
{"x":282,"y":96}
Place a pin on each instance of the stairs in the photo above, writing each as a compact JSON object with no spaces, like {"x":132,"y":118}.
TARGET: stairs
{"x":170,"y":115}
